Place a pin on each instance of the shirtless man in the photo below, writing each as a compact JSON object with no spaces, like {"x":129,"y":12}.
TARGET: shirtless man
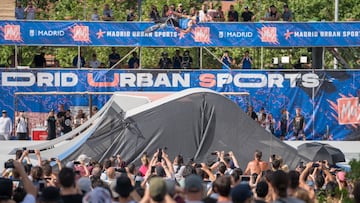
{"x":256,"y":166}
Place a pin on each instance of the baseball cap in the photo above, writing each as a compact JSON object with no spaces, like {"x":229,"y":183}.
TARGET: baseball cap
{"x":83,"y":158}
{"x":84,"y":184}
{"x":246,"y":7}
{"x":193,"y":183}
{"x":99,"y":194}
{"x":241,"y":192}
{"x":170,"y":186}
{"x":157,"y":189}
{"x":3,"y":111}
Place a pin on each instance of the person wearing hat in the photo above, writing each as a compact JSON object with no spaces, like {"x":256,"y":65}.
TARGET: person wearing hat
{"x":247,"y":15}
{"x":5,"y":126}
{"x":193,"y":188}
{"x":242,"y":193}
{"x":157,"y":189}
{"x":22,"y":126}
{"x":165,"y":62}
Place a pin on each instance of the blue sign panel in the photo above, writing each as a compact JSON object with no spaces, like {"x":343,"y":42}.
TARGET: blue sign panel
{"x":281,"y":34}
{"x":328,"y":99}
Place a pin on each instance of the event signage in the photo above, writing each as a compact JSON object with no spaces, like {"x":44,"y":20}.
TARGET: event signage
{"x":328,"y":99}
{"x":262,"y":34}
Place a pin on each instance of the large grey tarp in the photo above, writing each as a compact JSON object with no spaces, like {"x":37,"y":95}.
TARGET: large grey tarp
{"x":193,"y":123}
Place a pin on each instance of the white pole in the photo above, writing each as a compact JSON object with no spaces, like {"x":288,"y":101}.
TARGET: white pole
{"x":15,"y":57}
{"x":336,"y":19}
{"x":79,"y":58}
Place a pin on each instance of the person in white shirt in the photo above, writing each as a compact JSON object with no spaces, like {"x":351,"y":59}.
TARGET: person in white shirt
{"x":5,"y":126}
{"x":95,"y":16}
{"x":21,"y":124}
{"x":94,"y":63}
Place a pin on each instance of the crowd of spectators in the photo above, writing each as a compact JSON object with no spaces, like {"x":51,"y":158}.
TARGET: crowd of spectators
{"x":158,"y":179}
{"x":209,"y":12}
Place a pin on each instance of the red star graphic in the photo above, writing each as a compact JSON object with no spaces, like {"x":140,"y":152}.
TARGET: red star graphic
{"x":100,"y":34}
{"x":288,"y":34}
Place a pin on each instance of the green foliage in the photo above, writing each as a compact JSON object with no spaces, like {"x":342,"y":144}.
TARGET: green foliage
{"x":304,"y":10}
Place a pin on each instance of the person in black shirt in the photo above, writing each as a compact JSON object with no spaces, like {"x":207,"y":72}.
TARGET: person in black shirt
{"x":51,"y":125}
{"x":247,"y":16}
{"x":299,"y":124}
{"x":165,"y":61}
{"x":69,"y":191}
{"x":252,"y":113}
{"x":131,"y":15}
{"x":233,"y":15}
{"x":66,"y":123}
{"x":177,"y":59}
{"x":114,"y":58}
{"x":39,"y":60}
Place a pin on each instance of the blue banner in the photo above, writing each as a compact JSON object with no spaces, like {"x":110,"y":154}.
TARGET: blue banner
{"x":281,"y":34}
{"x":328,"y":99}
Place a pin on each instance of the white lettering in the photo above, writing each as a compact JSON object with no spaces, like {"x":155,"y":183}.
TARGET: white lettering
{"x":127,"y":79}
{"x":162,"y":79}
{"x":183,"y":81}
{"x":45,"y":79}
{"x":223,"y":78}
{"x":275,"y":79}
{"x":144,"y":80}
{"x":251,"y":80}
{"x":310,"y":80}
{"x":293,"y":78}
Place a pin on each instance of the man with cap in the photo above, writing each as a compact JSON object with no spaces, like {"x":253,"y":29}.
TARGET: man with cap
{"x":157,"y":189}
{"x":247,"y":16}
{"x":193,"y":189}
{"x":5,"y":126}
{"x":242,"y":193}
{"x":22,"y":126}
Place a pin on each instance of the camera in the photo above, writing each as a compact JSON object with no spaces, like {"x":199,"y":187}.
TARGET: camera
{"x":152,"y":169}
{"x":315,"y":165}
{"x":245,"y":178}
{"x":160,"y":155}
{"x":52,"y":159}
{"x":76,"y":162}
{"x":9,"y":164}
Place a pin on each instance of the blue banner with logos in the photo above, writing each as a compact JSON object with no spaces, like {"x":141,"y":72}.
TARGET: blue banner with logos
{"x":81,"y":33}
{"x":328,"y":99}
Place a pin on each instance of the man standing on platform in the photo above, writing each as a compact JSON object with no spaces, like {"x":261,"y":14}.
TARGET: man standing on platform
{"x":299,"y":125}
{"x":51,"y":125}
{"x":5,"y":126}
{"x":22,"y":126}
